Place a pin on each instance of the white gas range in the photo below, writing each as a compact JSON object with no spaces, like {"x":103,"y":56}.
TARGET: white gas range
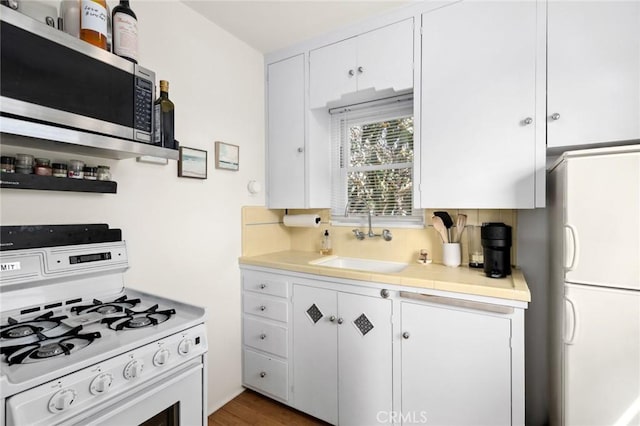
{"x":77,"y":347}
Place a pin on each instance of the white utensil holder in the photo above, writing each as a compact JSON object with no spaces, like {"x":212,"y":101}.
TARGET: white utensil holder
{"x":451,"y":254}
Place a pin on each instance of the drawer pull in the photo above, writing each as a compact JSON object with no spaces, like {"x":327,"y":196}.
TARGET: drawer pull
{"x":263,"y":374}
{"x":263,"y":336}
{"x":263,"y":308}
{"x":480,"y":306}
{"x":263,"y":286}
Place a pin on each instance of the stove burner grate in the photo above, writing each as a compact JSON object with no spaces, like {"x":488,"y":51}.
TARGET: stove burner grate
{"x":18,"y":329}
{"x":134,"y":320}
{"x":106,"y":308}
{"x":48,"y":347}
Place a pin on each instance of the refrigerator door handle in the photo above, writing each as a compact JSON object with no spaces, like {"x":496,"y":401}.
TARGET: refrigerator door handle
{"x":575,"y":252}
{"x":571,"y":321}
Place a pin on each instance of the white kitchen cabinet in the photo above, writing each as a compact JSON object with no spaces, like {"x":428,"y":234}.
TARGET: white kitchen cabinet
{"x":286,"y":133}
{"x":380,"y":59}
{"x":593,"y":79}
{"x":456,"y":365}
{"x":481,"y":143}
{"x":342,"y":355}
{"x":265,"y":333}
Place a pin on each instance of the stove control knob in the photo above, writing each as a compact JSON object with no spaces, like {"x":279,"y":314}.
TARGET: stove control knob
{"x":161,"y":357}
{"x":62,"y":400}
{"x":185,"y":346}
{"x":133,"y":369}
{"x":101,"y":383}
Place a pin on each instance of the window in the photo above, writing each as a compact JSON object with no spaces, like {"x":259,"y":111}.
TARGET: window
{"x":373,"y":163}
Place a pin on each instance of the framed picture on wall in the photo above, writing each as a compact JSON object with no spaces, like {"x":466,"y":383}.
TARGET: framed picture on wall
{"x":192,"y":163}
{"x":227,"y":156}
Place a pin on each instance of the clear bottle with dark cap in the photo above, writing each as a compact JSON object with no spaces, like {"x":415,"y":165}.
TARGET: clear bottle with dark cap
{"x":163,"y":116}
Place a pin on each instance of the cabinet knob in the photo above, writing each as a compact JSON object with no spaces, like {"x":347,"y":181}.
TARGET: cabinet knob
{"x":340,"y":320}
{"x":405,"y":335}
{"x":555,"y":116}
{"x":360,"y":70}
{"x":351,"y":73}
{"x":263,"y":286}
{"x":384,"y":293}
{"x":262,"y":308}
{"x":527,"y":121}
{"x":300,"y":149}
{"x":332,"y":318}
{"x":263,"y":336}
{"x":263,"y":374}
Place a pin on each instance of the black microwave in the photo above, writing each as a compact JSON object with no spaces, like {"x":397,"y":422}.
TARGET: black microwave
{"x":50,"y":77}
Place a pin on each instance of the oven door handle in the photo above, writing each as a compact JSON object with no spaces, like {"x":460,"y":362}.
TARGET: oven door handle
{"x":106,"y":410}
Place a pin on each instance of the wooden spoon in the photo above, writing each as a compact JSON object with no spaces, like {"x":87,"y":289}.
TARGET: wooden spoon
{"x":438,"y":225}
{"x":461,"y":222}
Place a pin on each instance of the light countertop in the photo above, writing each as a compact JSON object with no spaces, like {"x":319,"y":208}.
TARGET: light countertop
{"x":432,"y":276}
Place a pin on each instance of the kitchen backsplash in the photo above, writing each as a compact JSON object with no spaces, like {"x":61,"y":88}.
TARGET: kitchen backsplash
{"x":263,"y":232}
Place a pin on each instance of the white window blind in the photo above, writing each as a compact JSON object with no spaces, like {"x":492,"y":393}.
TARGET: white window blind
{"x":372,"y":159}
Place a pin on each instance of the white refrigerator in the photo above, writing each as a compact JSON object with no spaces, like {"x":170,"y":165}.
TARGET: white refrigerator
{"x":594,"y":224}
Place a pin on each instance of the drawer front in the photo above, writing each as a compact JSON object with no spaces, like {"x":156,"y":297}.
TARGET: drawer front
{"x":265,"y":306}
{"x":266,"y":374}
{"x":265,"y":283}
{"x":265,"y":337}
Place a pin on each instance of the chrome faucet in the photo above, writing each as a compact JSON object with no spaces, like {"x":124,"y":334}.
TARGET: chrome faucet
{"x":386,"y":234}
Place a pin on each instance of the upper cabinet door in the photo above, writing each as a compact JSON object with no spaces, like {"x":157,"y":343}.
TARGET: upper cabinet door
{"x":593,"y":72}
{"x":286,"y":133}
{"x":332,"y":72}
{"x":385,"y":58}
{"x":380,"y":59}
{"x":478,"y":133}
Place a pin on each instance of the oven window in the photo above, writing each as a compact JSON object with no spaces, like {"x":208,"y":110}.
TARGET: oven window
{"x":167,"y":417}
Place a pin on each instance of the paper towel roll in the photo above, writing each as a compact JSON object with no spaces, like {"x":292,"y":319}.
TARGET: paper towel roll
{"x":302,"y":220}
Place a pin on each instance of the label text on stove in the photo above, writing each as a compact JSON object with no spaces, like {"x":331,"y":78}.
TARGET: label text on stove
{"x":10,"y":266}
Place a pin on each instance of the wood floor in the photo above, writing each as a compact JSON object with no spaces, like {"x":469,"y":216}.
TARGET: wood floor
{"x":251,"y":408}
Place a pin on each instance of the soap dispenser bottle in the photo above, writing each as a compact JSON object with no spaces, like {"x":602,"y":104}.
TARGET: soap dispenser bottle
{"x":325,"y":245}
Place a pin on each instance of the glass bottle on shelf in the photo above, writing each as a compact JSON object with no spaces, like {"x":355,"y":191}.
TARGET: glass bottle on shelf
{"x":163,"y":115}
{"x":93,"y":22}
{"x":125,"y":32}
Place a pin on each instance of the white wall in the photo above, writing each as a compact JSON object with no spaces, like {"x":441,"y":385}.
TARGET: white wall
{"x":533,"y":252}
{"x":183,"y":234}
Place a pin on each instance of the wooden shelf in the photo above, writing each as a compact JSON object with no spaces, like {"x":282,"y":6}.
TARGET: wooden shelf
{"x":50,"y":183}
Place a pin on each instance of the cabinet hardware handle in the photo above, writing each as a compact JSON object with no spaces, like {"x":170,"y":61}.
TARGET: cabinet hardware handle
{"x":405,"y":335}
{"x":263,"y":336}
{"x":480,"y":306}
{"x":263,"y":374}
{"x":555,"y":116}
{"x":384,"y":293}
{"x":527,"y":121}
{"x":332,"y":318}
{"x":340,"y":320}
{"x":360,"y":70}
{"x":300,"y":149}
{"x":351,"y":73}
{"x":263,"y":286}
{"x":262,"y":308}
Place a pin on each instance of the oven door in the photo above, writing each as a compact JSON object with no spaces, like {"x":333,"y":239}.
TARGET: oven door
{"x":176,"y":400}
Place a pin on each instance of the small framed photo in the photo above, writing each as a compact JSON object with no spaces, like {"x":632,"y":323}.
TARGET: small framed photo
{"x":192,"y":163}
{"x":227,"y":156}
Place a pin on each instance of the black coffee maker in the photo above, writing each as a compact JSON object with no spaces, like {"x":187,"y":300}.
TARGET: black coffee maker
{"x":496,"y":247}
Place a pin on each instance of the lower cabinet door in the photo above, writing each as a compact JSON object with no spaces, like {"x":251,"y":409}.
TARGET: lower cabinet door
{"x":315,"y":352}
{"x":456,"y":367}
{"x":365,"y":360}
{"x":266,"y":373}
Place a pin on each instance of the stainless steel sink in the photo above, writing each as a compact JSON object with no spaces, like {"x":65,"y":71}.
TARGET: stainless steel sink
{"x":369,"y":265}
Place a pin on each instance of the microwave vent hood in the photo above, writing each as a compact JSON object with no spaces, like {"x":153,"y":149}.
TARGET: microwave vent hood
{"x":60,"y":93}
